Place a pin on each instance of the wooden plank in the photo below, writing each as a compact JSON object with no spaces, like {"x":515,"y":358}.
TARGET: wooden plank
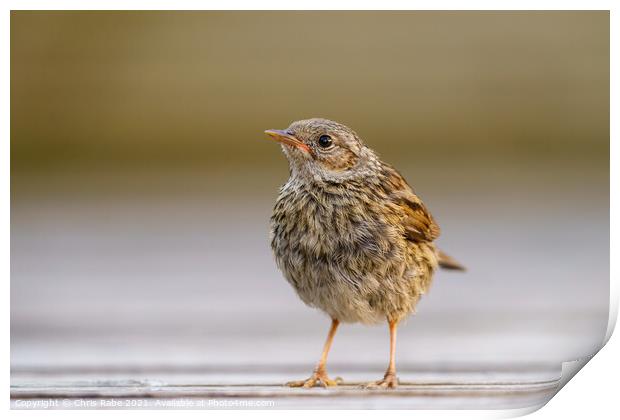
{"x":261,"y":388}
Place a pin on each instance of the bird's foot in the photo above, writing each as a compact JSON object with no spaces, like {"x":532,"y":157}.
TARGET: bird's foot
{"x":389,"y":381}
{"x":319,"y":377}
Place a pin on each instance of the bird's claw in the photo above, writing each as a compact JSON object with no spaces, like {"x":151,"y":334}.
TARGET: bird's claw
{"x":389,"y":381}
{"x":317,"y":378}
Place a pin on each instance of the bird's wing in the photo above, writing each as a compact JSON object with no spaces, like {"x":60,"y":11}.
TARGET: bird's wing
{"x":417,"y":220}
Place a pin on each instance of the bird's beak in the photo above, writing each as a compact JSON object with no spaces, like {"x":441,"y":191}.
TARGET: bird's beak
{"x":284,"y":137}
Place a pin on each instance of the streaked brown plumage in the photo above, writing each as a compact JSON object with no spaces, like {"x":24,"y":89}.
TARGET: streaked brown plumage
{"x":349,"y":234}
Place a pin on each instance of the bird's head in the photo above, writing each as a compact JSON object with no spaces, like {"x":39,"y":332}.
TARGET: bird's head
{"x":324,"y":150}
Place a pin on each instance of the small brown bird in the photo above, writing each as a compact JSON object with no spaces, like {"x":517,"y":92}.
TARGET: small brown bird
{"x":350,"y":235}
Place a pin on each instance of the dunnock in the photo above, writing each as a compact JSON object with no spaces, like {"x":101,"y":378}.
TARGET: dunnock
{"x":350,"y":235}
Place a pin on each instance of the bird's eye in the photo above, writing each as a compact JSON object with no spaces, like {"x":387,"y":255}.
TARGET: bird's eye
{"x":325,"y":141}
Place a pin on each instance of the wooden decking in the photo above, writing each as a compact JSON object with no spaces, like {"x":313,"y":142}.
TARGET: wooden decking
{"x":237,"y":387}
{"x":174,"y":300}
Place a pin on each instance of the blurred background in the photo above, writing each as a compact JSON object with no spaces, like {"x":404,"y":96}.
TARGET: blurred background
{"x":142,"y":182}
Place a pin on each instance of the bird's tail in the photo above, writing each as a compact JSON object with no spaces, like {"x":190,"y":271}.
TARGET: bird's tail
{"x":447,"y":262}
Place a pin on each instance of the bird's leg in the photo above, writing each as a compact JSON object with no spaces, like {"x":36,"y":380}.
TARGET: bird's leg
{"x":389,"y":379}
{"x":320,"y":373}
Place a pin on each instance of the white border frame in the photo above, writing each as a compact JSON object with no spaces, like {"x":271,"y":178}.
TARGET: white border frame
{"x":595,"y":389}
